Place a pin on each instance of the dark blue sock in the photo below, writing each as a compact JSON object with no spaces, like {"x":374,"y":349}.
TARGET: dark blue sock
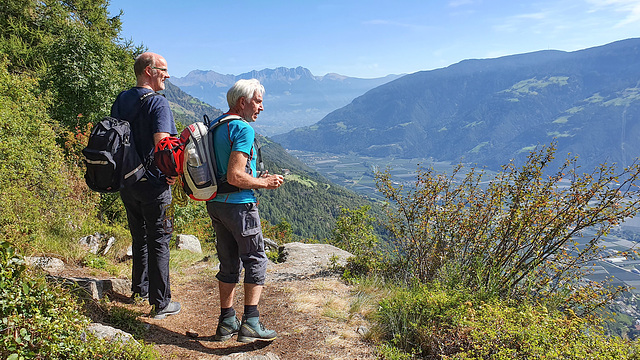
{"x":228,"y":312}
{"x":251,"y":311}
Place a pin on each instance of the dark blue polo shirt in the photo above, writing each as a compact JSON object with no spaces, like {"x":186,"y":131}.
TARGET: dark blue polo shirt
{"x":153,"y":117}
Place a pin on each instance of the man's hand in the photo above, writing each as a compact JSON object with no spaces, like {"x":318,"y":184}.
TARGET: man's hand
{"x":273,"y":181}
{"x":171,"y":179}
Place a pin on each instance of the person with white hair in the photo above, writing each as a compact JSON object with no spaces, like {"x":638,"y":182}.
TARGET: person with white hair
{"x":235,"y":218}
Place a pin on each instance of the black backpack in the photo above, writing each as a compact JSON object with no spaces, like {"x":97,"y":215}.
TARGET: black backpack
{"x":110,"y":156}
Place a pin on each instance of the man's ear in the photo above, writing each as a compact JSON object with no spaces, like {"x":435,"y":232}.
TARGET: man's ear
{"x":242,"y":102}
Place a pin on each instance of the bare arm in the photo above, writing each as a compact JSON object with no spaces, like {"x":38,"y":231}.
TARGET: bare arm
{"x":159,"y":136}
{"x":156,"y":139}
{"x":237,"y":176}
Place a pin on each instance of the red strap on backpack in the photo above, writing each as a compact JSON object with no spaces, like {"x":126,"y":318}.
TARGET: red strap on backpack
{"x":168,"y":156}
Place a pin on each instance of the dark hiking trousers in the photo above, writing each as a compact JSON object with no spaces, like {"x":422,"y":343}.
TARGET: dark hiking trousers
{"x":146,"y":204}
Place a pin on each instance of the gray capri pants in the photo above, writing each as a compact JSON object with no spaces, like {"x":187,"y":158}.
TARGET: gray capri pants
{"x":239,"y":242}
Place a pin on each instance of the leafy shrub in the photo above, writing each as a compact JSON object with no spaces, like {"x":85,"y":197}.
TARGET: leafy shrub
{"x":354,"y":233}
{"x":190,"y":217}
{"x":280,"y":233}
{"x":39,"y":321}
{"x":39,"y":192}
{"x":433,"y":322}
{"x":514,"y":234}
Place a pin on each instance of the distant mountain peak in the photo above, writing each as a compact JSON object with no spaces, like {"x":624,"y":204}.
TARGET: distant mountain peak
{"x":279,"y":73}
{"x":294,"y":96}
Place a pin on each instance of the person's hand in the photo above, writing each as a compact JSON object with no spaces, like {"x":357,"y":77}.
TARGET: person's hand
{"x":273,"y":181}
{"x":171,"y":180}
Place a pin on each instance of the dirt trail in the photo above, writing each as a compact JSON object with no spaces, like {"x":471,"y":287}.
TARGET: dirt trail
{"x":310,"y":314}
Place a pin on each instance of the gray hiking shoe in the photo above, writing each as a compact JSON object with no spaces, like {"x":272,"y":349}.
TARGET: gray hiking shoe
{"x":171,"y":309}
{"x":227,"y":327}
{"x":252,"y":330}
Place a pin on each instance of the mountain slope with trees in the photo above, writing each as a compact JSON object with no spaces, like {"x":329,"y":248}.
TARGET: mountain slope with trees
{"x":185,"y":108}
{"x":491,"y":111}
{"x":308,"y":202}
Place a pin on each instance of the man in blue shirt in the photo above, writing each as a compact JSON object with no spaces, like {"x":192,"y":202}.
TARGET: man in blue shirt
{"x":147,"y":200}
{"x":235,"y":215}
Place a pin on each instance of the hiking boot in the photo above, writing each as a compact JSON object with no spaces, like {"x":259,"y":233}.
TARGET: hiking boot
{"x":252,"y":330}
{"x":227,"y":327}
{"x":171,"y":309}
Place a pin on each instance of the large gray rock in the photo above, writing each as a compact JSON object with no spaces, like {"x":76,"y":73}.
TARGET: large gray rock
{"x":300,"y":261}
{"x":110,"y":333}
{"x":88,"y":287}
{"x":46,"y":263}
{"x":117,"y":287}
{"x":97,"y":288}
{"x":97,"y":243}
{"x":190,"y":243}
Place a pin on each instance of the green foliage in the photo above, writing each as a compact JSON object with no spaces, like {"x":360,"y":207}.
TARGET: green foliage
{"x":87,"y":71}
{"x":513,"y":235}
{"x":433,"y":322}
{"x":389,"y":352}
{"x":40,"y":321}
{"x":100,"y":263}
{"x":73,"y":47}
{"x":193,"y":219}
{"x":126,"y":320}
{"x":354,"y":233}
{"x":281,"y":232}
{"x":37,"y":189}
{"x":62,"y":64}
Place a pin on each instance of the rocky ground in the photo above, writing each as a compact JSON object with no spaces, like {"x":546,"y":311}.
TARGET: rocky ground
{"x":316,"y":315}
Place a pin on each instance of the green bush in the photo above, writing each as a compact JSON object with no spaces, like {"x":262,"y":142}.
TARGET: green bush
{"x":512,"y":234}
{"x":435,"y":322}
{"x":354,"y":232}
{"x":40,"y":321}
{"x":37,"y":189}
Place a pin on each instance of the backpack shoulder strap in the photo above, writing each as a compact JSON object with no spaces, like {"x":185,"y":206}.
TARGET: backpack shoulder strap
{"x":259,"y":163}
{"x":220,"y":120}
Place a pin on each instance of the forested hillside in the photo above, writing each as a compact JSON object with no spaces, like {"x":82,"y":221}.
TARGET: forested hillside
{"x":187,"y":109}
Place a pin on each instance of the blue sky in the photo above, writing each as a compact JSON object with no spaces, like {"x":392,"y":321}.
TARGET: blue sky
{"x":366,"y":38}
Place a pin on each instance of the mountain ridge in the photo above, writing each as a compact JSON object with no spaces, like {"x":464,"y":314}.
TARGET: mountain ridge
{"x":294,"y":97}
{"x":489,"y":111}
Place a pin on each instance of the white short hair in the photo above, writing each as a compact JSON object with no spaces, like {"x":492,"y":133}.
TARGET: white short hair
{"x":243,"y":88}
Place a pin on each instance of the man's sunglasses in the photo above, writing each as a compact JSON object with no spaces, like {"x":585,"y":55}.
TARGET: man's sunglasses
{"x":161,"y":69}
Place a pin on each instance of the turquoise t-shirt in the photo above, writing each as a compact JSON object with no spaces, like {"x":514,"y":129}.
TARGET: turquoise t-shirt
{"x":236,"y":135}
